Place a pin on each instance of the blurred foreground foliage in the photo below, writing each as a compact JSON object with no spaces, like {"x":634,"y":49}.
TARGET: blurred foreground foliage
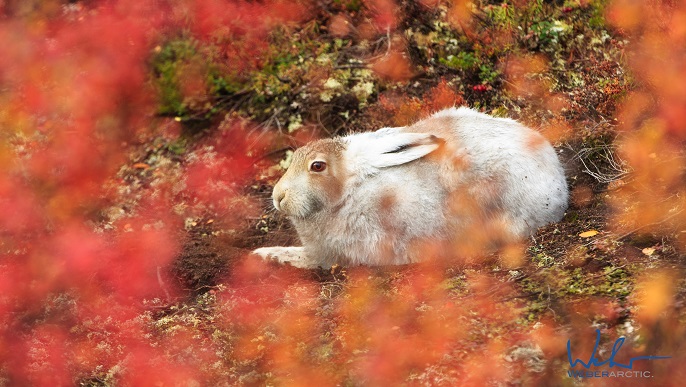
{"x":139,"y":142}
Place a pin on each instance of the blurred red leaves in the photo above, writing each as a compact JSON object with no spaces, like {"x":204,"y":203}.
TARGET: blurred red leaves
{"x":384,"y":14}
{"x":340,"y":26}
{"x":43,"y":356}
{"x":652,"y":118}
{"x":407,"y":110}
{"x":393,"y":66}
{"x":239,"y":28}
{"x":460,"y":16}
{"x":419,"y":327}
{"x":656,"y":56}
{"x":443,"y":96}
{"x":371,"y":333}
{"x":74,"y":93}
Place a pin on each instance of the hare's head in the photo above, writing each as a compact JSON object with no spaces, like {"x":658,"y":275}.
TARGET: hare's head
{"x":321,"y":172}
{"x":314,"y":179}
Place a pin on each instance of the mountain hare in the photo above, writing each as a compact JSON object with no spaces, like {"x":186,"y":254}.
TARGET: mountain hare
{"x":456,"y":183}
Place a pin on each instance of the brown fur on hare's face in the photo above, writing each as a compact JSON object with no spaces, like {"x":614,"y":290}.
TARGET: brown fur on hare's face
{"x":313,"y":181}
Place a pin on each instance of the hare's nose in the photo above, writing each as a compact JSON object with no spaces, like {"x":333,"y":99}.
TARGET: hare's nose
{"x":278,"y":198}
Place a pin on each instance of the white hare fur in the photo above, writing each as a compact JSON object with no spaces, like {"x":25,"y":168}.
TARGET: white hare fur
{"x":454,"y":183}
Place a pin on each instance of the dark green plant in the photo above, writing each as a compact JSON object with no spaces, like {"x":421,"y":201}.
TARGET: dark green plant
{"x":350,"y":5}
{"x":462,"y":61}
{"x":166,"y":65}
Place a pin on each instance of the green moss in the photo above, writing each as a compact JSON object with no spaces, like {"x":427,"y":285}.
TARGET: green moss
{"x":177,"y":147}
{"x":350,"y":5}
{"x":167,"y":65}
{"x":456,"y":285}
{"x":488,"y":74}
{"x":617,"y":282}
{"x":181,"y":59}
{"x":548,"y":32}
{"x":461,"y":61}
{"x":596,"y":17}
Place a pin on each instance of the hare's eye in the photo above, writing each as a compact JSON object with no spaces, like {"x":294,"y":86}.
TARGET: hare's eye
{"x":317,"y":166}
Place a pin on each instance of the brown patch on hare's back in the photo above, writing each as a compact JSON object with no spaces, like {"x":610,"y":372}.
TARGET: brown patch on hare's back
{"x":387,"y":201}
{"x":535,"y":141}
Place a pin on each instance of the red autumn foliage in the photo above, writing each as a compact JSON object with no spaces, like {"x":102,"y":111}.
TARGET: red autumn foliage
{"x":393,"y":66}
{"x":651,"y":118}
{"x":383,"y":12}
{"x":406,"y":110}
{"x":78,"y":301}
{"x":75,"y":92}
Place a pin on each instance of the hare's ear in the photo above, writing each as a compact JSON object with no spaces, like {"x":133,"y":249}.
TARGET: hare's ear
{"x":398,"y":148}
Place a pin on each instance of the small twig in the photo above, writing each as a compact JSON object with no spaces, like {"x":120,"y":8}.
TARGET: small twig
{"x":617,"y":167}
{"x":161,"y":283}
{"x":275,"y":152}
{"x":352,"y":66}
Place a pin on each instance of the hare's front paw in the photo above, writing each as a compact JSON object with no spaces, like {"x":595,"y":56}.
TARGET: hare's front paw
{"x":292,"y":255}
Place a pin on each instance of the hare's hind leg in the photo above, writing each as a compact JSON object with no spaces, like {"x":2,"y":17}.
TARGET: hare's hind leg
{"x":293,"y":255}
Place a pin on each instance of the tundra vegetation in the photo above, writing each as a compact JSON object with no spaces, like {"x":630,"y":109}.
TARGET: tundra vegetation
{"x":139,"y":142}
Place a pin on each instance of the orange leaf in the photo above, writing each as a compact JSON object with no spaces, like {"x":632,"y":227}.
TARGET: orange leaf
{"x":588,"y":234}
